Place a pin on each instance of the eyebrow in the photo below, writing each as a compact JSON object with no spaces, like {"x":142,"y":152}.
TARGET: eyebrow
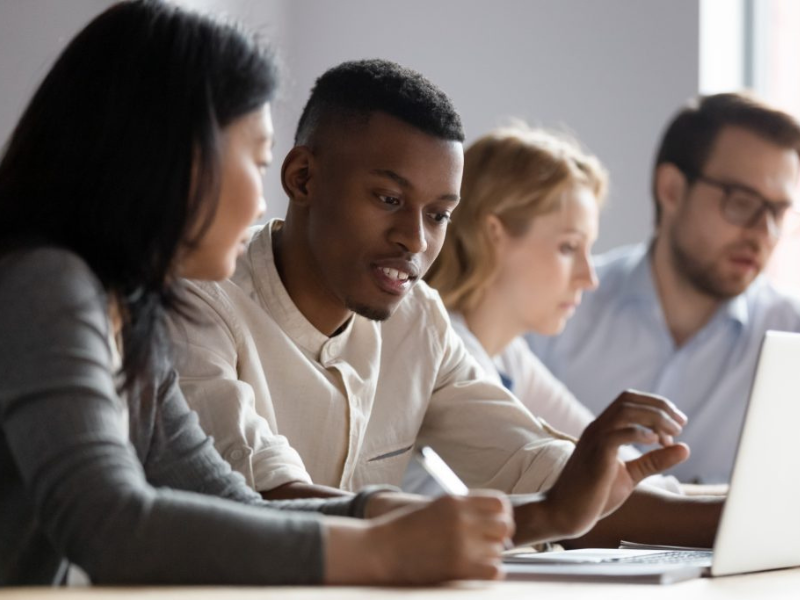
{"x":406,"y":184}
{"x":573,"y":231}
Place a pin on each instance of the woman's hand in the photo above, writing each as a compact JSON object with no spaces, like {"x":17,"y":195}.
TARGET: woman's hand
{"x":446,"y":539}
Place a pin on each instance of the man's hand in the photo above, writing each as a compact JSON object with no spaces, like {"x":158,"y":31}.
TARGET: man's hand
{"x":595,"y":482}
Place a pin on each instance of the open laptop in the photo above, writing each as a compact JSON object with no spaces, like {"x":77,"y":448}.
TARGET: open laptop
{"x":760,"y":525}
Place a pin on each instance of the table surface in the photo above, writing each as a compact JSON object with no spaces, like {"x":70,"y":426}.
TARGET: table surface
{"x":774,"y":584}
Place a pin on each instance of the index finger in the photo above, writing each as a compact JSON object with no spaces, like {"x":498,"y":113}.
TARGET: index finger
{"x":655,"y":401}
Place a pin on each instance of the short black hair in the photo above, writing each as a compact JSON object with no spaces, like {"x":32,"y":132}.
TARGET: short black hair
{"x":356,"y":89}
{"x":690,"y":136}
{"x":117,"y":156}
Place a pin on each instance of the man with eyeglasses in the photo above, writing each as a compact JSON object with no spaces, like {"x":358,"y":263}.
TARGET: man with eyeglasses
{"x":683,"y":315}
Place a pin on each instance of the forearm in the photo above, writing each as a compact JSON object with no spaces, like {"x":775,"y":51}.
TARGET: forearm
{"x":657,"y":517}
{"x":370,"y":502}
{"x":205,"y":540}
{"x":298,"y":489}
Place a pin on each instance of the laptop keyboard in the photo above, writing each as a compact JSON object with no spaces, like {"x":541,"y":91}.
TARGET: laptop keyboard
{"x":691,"y":557}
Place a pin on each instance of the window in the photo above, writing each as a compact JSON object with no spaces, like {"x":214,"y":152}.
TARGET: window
{"x":755,"y":44}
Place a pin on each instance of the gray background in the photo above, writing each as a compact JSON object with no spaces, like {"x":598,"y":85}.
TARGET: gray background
{"x":609,"y":71}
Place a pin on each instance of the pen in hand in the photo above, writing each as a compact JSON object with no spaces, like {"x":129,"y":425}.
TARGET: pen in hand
{"x":444,"y":476}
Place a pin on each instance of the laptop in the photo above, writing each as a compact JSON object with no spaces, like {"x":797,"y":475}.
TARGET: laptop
{"x":760,"y":525}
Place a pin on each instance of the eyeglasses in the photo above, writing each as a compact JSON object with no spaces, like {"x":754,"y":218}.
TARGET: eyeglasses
{"x":743,"y":206}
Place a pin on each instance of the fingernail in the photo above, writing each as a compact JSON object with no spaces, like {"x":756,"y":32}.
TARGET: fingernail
{"x":666,"y":440}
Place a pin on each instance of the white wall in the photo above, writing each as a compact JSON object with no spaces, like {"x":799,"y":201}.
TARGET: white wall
{"x":32,"y":34}
{"x":611,"y":71}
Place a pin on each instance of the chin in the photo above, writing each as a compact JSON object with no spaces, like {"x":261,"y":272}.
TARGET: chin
{"x":219,"y":272}
{"x":550,"y":328}
{"x":371,"y":312}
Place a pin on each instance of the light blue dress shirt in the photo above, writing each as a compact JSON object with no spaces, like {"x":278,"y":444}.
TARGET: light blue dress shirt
{"x":618,"y":339}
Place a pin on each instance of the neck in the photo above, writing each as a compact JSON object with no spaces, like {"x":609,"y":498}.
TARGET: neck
{"x":114,"y":315}
{"x":489,"y":323}
{"x":686,"y":309}
{"x":303,"y":282}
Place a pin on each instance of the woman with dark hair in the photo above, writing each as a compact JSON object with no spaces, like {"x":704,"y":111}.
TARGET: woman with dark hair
{"x":137,"y":162}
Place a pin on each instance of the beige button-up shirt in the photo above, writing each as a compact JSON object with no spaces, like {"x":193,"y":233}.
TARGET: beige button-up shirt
{"x":286,"y":403}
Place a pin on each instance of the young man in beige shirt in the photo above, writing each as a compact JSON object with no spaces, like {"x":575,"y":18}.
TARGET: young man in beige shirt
{"x":326,"y":360}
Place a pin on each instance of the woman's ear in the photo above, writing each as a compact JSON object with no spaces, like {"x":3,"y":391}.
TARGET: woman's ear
{"x":495,"y":230}
{"x":296,"y":174}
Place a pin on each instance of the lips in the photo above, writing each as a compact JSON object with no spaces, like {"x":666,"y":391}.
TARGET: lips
{"x":571,"y":304}
{"x":746,"y":262}
{"x":395,"y":276}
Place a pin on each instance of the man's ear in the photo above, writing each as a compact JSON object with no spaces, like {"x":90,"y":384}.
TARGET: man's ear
{"x":296,"y":174}
{"x":670,"y":188}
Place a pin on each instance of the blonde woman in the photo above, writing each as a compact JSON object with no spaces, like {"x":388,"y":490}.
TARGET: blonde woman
{"x":517,"y":259}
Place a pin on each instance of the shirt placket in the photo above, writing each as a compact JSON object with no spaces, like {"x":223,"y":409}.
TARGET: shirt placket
{"x":685,"y":361}
{"x":358,"y":395}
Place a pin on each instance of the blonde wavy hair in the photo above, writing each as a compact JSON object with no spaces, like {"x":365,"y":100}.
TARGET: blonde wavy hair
{"x":516,"y":173}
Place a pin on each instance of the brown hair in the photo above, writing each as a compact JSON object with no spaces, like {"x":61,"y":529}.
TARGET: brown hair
{"x":690,"y":136}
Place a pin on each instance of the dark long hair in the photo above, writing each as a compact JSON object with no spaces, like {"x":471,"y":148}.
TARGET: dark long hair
{"x":116,"y":157}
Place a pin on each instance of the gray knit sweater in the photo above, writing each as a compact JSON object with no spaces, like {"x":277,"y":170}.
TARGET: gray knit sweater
{"x":131,"y":492}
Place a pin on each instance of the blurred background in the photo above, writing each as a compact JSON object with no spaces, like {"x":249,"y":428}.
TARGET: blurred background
{"x":611,"y":72}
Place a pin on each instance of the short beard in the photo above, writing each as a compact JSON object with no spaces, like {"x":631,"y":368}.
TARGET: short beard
{"x":699,"y":275}
{"x":368,"y":312}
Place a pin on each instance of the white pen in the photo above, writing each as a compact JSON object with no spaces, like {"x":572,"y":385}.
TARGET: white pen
{"x":444,"y":476}
{"x":441,"y":473}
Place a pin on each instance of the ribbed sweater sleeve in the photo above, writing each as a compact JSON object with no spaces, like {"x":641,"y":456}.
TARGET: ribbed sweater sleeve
{"x":168,"y":512}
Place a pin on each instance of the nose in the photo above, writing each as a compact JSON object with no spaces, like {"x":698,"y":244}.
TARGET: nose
{"x":409,"y":231}
{"x":586,"y":275}
{"x":261,"y":210}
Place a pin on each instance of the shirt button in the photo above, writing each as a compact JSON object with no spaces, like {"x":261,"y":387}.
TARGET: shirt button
{"x":236,"y":454}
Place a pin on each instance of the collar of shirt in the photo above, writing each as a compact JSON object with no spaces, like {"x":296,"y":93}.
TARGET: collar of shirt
{"x":279,"y":304}
{"x":638,"y":287}
{"x":474,"y":347}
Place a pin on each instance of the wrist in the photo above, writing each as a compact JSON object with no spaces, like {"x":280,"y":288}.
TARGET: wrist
{"x":538,"y":520}
{"x":370,"y":500}
{"x":357,"y":552}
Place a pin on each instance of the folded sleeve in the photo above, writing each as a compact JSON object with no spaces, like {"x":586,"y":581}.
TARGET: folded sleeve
{"x":223,"y":381}
{"x":489,"y":438}
{"x":67,"y":435}
{"x":181,"y":456}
